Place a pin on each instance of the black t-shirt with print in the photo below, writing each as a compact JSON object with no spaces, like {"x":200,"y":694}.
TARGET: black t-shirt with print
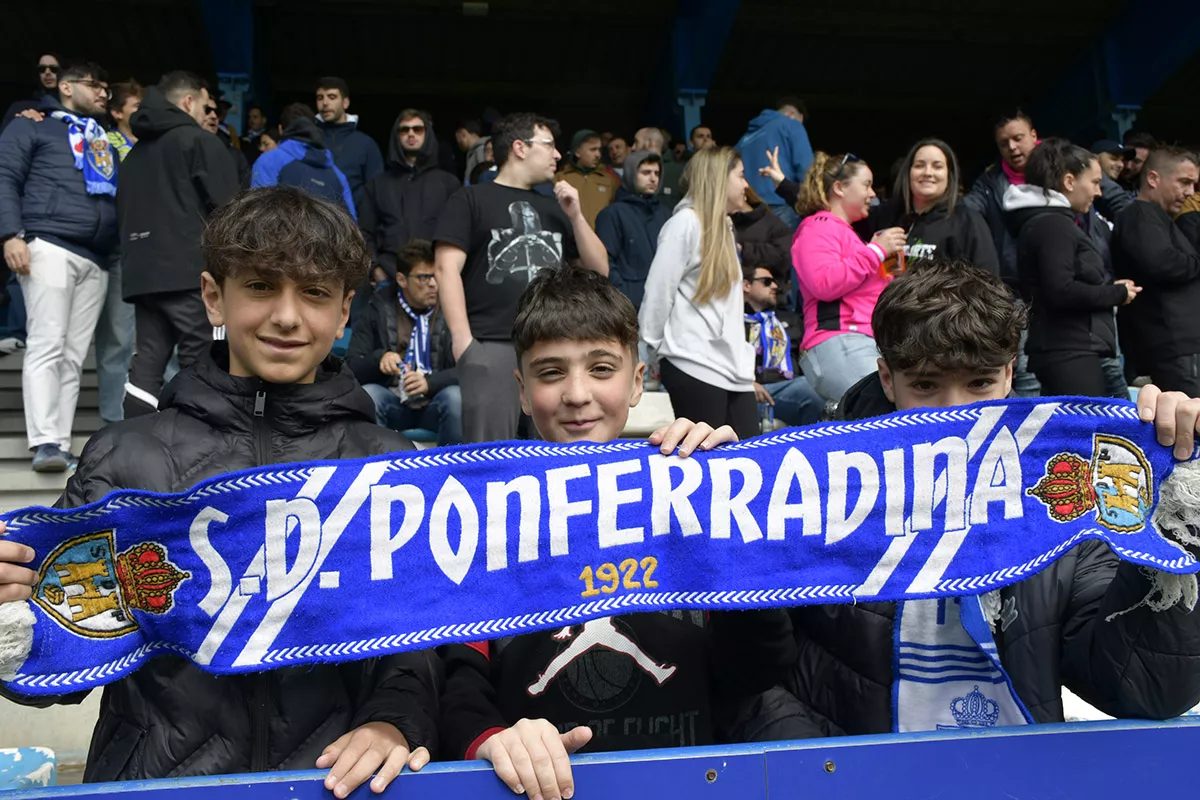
{"x":508,"y":235}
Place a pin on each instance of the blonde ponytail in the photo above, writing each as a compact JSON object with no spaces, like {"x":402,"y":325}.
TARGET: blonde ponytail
{"x":708,"y":179}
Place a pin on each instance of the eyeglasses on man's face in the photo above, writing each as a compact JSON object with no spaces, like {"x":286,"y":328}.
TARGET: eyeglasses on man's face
{"x":210,"y":110}
{"x":419,"y":129}
{"x":426,"y":278}
{"x":48,"y":68}
{"x":545,"y":140}
{"x":767,"y":281}
{"x":96,"y":86}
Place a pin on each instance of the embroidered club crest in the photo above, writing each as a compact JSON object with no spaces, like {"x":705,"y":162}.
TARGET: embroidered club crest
{"x":100,"y":156}
{"x":91,"y":591}
{"x":1117,"y":484}
{"x":975,"y":710}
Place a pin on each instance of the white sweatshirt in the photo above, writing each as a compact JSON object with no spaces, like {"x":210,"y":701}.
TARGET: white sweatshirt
{"x":706,"y":342}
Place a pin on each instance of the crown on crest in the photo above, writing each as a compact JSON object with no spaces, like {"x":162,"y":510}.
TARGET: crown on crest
{"x":975,"y":710}
{"x":148,"y":579}
{"x":1066,"y":489}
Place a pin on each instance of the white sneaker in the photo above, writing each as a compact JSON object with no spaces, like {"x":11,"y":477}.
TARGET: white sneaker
{"x":11,"y":345}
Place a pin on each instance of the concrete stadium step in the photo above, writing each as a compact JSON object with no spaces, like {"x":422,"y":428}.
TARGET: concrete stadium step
{"x":13,"y":448}
{"x":87,"y":421}
{"x":10,"y":399}
{"x":11,"y":379}
{"x":15,"y":361}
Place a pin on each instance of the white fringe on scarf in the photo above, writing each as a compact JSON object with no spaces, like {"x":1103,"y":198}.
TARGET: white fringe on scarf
{"x":1177,"y":519}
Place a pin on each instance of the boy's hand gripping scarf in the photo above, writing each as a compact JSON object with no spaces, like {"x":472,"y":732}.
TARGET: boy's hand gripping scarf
{"x":339,"y":561}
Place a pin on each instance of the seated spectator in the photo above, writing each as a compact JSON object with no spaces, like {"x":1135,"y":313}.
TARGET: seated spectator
{"x":840,"y":277}
{"x":400,"y":351}
{"x":303,"y":161}
{"x":776,"y":383}
{"x":669,"y":678}
{"x":629,"y":227}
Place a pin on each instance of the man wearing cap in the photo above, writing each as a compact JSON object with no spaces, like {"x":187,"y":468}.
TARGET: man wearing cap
{"x":596,"y":183}
{"x":1113,"y":198}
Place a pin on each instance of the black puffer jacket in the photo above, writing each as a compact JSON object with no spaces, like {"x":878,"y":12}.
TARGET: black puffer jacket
{"x":766,"y":240}
{"x":383,"y":328}
{"x":987,"y":198}
{"x":405,"y":201}
{"x":1054,"y":634}
{"x":169,"y":719}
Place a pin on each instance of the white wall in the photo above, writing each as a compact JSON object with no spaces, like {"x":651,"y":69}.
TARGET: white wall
{"x":67,"y":730}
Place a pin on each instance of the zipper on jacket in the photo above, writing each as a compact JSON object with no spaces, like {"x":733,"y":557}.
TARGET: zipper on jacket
{"x":260,"y":708}
{"x":260,"y":723}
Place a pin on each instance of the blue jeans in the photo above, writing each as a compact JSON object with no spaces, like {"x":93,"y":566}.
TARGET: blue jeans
{"x":796,"y":402}
{"x":1025,"y":383}
{"x":114,"y":348}
{"x":836,"y":364}
{"x":15,"y":325}
{"x":443,"y":413}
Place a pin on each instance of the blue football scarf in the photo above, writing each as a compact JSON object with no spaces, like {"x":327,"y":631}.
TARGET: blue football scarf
{"x":93,"y":153}
{"x":337,"y":561}
{"x":773,"y":343}
{"x":418,"y":352}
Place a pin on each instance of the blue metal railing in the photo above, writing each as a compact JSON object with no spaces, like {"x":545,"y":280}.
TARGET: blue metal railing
{"x":1092,"y":760}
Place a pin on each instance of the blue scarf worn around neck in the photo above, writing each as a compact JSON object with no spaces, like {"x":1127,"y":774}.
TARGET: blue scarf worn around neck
{"x":92,"y":151}
{"x":338,"y":561}
{"x":773,"y":343}
{"x":418,"y":353}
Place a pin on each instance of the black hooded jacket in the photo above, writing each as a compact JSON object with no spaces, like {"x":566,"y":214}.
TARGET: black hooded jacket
{"x":1055,"y":632}
{"x":1064,"y":277}
{"x":170,"y":719}
{"x":405,"y":201}
{"x":170,"y":182}
{"x":937,"y":234}
{"x":766,"y":240}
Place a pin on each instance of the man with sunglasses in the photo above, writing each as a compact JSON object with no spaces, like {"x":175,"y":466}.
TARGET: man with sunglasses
{"x":780,"y":390}
{"x":406,"y":200}
{"x":170,"y":182}
{"x":58,"y":222}
{"x":47,"y":75}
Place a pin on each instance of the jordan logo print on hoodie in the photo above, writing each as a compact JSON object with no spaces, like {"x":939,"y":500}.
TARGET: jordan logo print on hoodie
{"x":594,"y":634}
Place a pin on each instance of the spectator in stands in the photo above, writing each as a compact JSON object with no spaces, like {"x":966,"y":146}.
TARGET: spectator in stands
{"x":782,"y":128}
{"x":1113,"y":198}
{"x":58,"y":222}
{"x":280,"y":267}
{"x":1141,"y":144}
{"x":470,"y":140}
{"x":840,"y":277}
{"x":701,"y":138}
{"x":763,"y":239}
{"x":492,"y":239}
{"x":354,"y":152}
{"x":668,"y":677}
{"x":1015,"y":138}
{"x":585,"y":170}
{"x":776,"y":382}
{"x":406,"y":200}
{"x":1064,"y":278}
{"x":124,"y":99}
{"x":170,"y":183}
{"x":618,"y":151}
{"x":948,"y":335}
{"x":302,"y":160}
{"x":114,"y":330}
{"x":401,"y":351}
{"x":1162,"y":329}
{"x":1189,"y":219}
{"x":48,"y":68}
{"x":670,"y":189}
{"x":212,"y":124}
{"x":629,"y":227}
{"x":927,"y":205}
{"x":691,"y":315}
{"x":256,"y":123}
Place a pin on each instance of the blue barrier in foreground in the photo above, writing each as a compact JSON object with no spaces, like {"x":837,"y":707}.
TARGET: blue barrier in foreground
{"x":1090,"y":760}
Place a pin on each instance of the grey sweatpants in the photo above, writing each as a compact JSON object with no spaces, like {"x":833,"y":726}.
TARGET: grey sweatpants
{"x":491,"y":401}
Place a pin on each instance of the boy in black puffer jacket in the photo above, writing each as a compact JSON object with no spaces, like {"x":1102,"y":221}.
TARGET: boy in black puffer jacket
{"x":281,"y":266}
{"x":948,"y":334}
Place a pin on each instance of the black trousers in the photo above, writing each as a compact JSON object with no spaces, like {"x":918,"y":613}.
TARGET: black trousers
{"x":1180,"y":374}
{"x":164,"y":322}
{"x":701,"y":402}
{"x":1070,"y":373}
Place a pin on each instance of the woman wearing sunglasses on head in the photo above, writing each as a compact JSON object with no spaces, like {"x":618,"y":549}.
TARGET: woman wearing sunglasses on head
{"x":926,"y":205}
{"x":840,"y":277}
